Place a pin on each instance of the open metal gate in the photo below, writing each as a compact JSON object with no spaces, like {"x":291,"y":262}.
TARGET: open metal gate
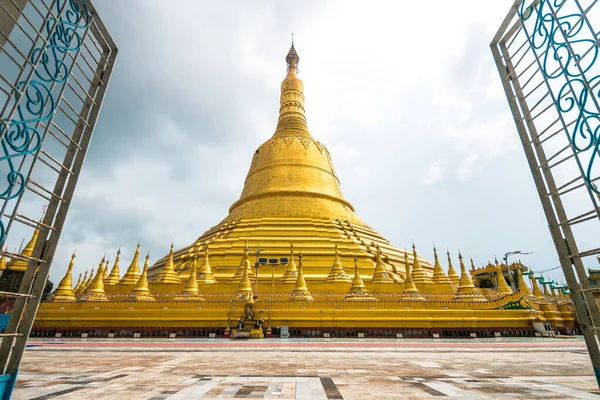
{"x":546,"y":52}
{"x":56,"y":59}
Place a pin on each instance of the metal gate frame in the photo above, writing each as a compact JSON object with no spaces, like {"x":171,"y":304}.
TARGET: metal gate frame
{"x":62,"y":76}
{"x":549,"y":83}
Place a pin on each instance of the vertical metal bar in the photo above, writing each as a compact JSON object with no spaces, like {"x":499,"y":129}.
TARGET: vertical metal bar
{"x":586,"y":320}
{"x":34,"y":157}
{"x":35,"y":63}
{"x":572,"y":251}
{"x":74,"y":158}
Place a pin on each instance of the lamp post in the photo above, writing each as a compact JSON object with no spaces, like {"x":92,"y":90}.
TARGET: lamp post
{"x":282,"y":261}
{"x":510,"y":275}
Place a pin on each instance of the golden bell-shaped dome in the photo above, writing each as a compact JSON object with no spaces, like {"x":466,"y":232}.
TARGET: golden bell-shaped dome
{"x":292,"y":174}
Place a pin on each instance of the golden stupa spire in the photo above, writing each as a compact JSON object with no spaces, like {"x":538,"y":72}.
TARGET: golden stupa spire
{"x":337,"y":273}
{"x":245,"y":259}
{"x":523,"y":288}
{"x":534,"y":284}
{"x":95,"y":291}
{"x":438,"y":272}
{"x":191,"y":292}
{"x":191,"y":287}
{"x":472,"y":264}
{"x":292,"y":120}
{"x":466,"y":288}
{"x":167,"y":274}
{"x":88,"y":282}
{"x":300,"y":291}
{"x":2,"y":264}
{"x":27,"y":251}
{"x":289,"y":276}
{"x":79,"y":289}
{"x":132,"y":276}
{"x":544,"y":287}
{"x":380,"y":275}
{"x":409,"y":285}
{"x":76,"y":288}
{"x":358,"y":290}
{"x":114,"y":276}
{"x":64,"y":292}
{"x":106,"y":268}
{"x":205,"y":275}
{"x":501,"y":287}
{"x":418,"y":274}
{"x":451,"y":272}
{"x":244,"y":287}
{"x":141,"y":292}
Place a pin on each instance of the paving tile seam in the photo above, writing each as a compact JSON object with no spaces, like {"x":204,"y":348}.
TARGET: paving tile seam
{"x":301,"y":351}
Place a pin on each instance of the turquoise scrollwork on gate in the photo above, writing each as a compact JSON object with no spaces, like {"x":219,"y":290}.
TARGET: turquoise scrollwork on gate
{"x":568,"y":50}
{"x":35,"y":100}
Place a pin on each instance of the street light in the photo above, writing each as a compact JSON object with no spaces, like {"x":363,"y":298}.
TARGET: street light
{"x":510,"y":275}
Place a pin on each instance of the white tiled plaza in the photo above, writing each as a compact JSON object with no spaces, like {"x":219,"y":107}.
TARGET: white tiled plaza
{"x":303,"y":369}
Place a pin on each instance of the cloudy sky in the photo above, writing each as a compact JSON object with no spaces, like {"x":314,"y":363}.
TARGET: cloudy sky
{"x":404,"y":94}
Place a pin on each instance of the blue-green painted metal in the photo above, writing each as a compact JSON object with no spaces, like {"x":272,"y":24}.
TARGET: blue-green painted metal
{"x":567,"y":44}
{"x":35,"y":100}
{"x":7,"y":384}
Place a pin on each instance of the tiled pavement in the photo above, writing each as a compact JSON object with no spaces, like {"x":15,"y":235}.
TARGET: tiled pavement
{"x":361,"y":369}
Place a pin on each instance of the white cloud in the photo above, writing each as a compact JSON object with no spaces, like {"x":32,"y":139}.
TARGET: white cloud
{"x":404,"y":94}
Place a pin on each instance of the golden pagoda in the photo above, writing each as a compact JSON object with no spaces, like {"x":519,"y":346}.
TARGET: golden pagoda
{"x":65,"y":292}
{"x":141,"y":292}
{"x":292,"y":201}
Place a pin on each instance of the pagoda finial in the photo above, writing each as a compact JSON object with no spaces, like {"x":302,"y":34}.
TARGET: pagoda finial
{"x":141,"y":292}
{"x":438,"y":273}
{"x":64,"y":292}
{"x":300,"y":291}
{"x":292,"y":57}
{"x":114,"y":276}
{"x":472,"y":264}
{"x":132,"y":276}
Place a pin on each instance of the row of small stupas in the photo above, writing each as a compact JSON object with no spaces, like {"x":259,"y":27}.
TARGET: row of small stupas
{"x":135,"y":285}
